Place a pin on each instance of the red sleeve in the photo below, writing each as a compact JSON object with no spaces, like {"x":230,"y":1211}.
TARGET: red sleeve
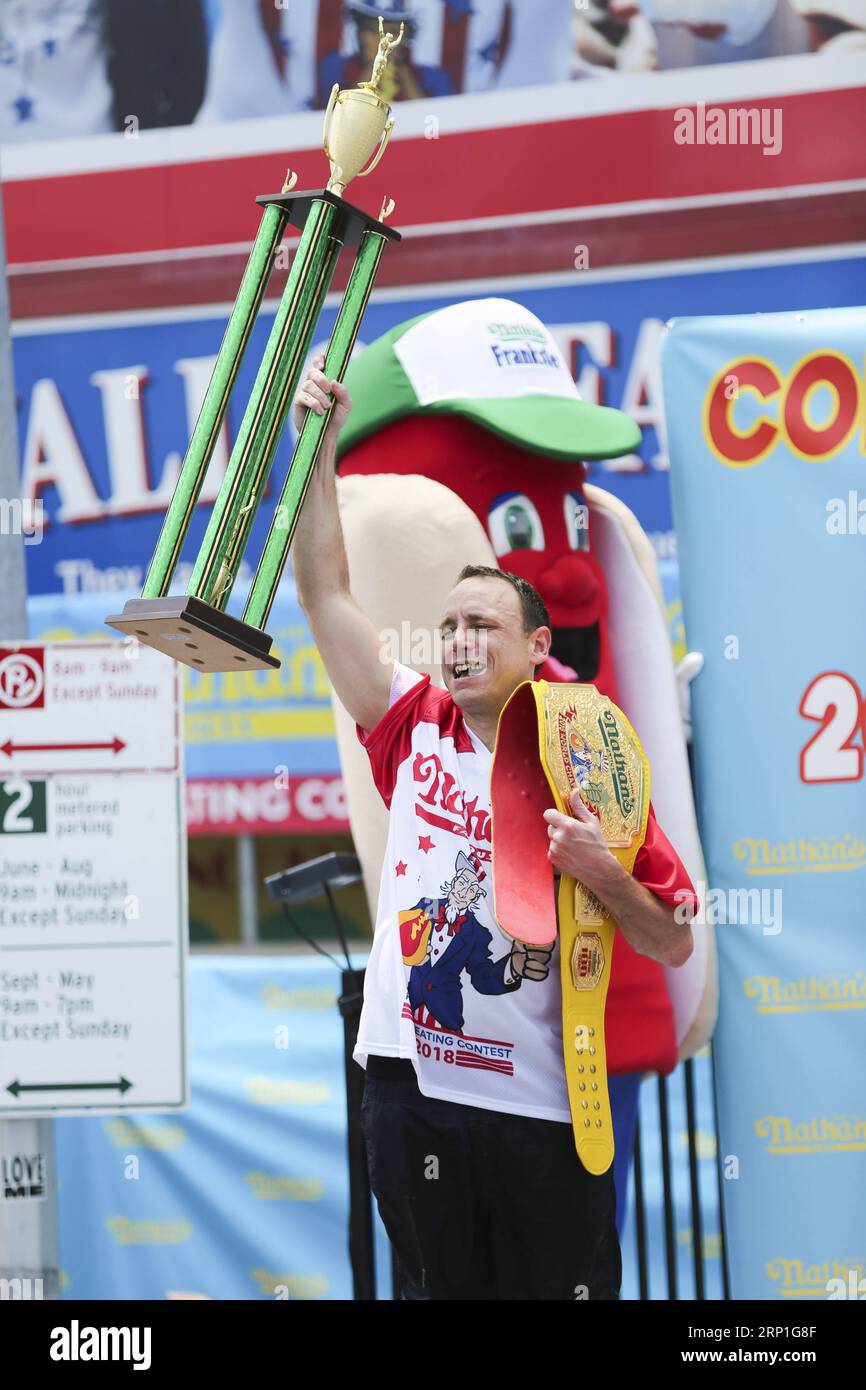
{"x":390,"y":742}
{"x":659,"y":868}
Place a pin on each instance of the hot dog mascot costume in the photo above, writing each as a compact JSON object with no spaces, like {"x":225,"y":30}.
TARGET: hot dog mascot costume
{"x":466,"y":444}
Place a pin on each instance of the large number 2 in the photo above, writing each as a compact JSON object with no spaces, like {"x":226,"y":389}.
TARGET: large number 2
{"x":830,"y":755}
{"x":21,"y":794}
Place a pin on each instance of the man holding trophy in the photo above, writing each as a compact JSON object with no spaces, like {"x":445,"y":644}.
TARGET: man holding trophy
{"x":486,"y":1111}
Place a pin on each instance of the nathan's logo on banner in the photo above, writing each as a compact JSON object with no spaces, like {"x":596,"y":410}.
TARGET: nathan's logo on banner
{"x":808,"y":994}
{"x":264,"y":1090}
{"x":270,"y":1187}
{"x":796,"y":1278}
{"x":147,"y":1231}
{"x":800,"y":855}
{"x":279,"y":999}
{"x":137,"y":1134}
{"x":821,"y":1134}
{"x":814,"y":409}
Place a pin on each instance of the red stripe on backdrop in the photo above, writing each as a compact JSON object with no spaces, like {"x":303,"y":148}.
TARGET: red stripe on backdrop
{"x":253,"y":806}
{"x":586,"y":161}
{"x":545,"y":248}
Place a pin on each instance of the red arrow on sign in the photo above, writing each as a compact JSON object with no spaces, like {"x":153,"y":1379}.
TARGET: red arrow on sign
{"x":10,"y":747}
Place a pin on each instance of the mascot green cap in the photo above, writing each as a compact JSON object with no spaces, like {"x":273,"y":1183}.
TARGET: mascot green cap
{"x":495,"y":363}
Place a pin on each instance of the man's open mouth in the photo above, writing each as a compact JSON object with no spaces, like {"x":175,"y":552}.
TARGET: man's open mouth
{"x":468,"y":668}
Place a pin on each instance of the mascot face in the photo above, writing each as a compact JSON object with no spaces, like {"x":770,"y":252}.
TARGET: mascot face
{"x":533,"y":510}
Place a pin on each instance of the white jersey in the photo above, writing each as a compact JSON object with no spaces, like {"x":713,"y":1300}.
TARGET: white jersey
{"x":444,"y":985}
{"x":53,"y":75}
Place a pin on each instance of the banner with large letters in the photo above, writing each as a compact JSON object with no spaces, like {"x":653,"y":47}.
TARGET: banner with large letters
{"x":107,"y":404}
{"x":766,"y":416}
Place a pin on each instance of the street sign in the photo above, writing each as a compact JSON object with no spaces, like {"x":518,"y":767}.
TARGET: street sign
{"x":93,"y":880}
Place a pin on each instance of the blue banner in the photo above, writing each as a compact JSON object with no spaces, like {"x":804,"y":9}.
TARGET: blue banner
{"x":765,"y":417}
{"x":106,"y":406}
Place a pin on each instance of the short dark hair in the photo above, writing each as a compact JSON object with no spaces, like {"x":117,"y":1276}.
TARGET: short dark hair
{"x":532,"y":605}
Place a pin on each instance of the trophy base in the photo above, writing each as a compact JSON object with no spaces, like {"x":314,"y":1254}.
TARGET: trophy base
{"x":351,"y":223}
{"x":190,"y":630}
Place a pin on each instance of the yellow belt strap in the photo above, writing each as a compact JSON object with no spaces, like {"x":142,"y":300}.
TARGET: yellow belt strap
{"x":583,"y":740}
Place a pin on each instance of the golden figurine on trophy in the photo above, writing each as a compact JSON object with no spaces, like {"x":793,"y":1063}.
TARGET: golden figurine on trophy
{"x":358,"y":118}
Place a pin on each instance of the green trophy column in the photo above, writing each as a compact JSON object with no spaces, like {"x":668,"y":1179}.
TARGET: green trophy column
{"x":213,"y":408}
{"x":196,"y":628}
{"x":282,"y":528}
{"x":235,"y":508}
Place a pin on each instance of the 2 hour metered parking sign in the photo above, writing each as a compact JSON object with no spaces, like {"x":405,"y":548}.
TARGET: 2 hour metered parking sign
{"x":93,"y":881}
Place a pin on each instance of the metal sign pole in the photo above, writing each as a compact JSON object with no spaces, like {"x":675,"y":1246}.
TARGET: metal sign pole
{"x":28,"y":1181}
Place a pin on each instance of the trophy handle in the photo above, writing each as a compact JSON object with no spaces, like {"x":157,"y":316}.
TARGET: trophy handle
{"x":380,"y":151}
{"x":326,"y":130}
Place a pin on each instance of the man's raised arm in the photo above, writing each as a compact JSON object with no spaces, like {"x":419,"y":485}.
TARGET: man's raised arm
{"x":346,"y":638}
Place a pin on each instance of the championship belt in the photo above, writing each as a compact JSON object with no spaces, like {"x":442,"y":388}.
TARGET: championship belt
{"x":555,"y":738}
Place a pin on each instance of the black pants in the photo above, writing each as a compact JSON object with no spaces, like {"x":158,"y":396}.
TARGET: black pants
{"x":479,"y":1204}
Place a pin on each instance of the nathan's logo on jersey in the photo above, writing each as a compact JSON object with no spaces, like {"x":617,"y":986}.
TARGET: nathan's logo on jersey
{"x":622,"y":787}
{"x":443,"y":794}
